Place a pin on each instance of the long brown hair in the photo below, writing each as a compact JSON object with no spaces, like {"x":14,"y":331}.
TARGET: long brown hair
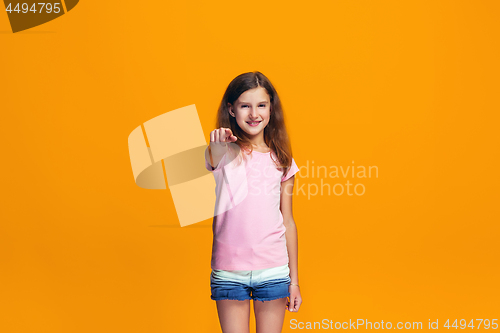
{"x":275,"y":134}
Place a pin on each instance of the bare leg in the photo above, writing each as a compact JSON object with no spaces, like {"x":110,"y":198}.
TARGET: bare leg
{"x":234,"y":316}
{"x":269,"y":315}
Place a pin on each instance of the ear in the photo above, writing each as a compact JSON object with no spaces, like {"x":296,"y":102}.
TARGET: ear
{"x":230,"y":108}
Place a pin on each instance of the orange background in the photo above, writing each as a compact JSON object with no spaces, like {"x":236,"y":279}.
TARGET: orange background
{"x":410,"y":87}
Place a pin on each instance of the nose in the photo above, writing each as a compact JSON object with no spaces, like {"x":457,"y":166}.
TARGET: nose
{"x":254,"y":114}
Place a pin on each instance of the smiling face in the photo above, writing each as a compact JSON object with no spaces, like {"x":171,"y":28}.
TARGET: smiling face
{"x":252,"y":111}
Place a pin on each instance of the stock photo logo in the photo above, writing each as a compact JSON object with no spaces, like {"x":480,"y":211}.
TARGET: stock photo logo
{"x":169,"y":151}
{"x":334,"y":180}
{"x":25,"y":15}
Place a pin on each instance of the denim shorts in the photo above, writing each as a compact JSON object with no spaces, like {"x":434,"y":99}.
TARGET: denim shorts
{"x":260,"y":285}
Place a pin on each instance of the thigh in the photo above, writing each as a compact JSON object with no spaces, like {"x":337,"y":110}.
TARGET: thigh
{"x":234,"y":316}
{"x":270,"y":315}
{"x":270,"y":294}
{"x":232,"y":295}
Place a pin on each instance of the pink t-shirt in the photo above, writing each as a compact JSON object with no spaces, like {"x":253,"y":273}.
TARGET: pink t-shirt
{"x":248,"y":225}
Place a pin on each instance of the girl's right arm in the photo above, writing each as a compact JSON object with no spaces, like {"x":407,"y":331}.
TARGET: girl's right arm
{"x":217,"y":148}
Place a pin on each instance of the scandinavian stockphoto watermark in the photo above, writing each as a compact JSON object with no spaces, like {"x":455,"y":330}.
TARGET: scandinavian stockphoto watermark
{"x":312,"y":180}
{"x":329,"y":180}
{"x":400,"y":325}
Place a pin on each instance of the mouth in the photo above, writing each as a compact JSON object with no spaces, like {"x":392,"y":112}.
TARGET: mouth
{"x":253,"y":123}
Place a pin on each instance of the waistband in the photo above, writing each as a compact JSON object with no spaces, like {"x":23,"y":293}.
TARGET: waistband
{"x":280,"y":272}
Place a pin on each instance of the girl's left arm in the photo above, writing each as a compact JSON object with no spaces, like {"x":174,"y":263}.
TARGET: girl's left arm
{"x":291,"y":242}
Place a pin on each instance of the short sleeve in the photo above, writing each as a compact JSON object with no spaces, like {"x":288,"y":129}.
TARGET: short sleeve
{"x":292,"y":171}
{"x":219,"y":166}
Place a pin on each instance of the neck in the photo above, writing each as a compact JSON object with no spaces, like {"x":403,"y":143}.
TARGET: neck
{"x":258,"y":140}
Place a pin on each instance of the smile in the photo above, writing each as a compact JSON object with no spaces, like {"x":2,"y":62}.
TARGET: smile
{"x":253,"y":123}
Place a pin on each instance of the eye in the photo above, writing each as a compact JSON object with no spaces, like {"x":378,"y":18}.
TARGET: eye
{"x":244,"y":106}
{"x":263,"y":105}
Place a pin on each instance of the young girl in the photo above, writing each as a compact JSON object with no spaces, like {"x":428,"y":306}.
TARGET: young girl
{"x":254,"y":252}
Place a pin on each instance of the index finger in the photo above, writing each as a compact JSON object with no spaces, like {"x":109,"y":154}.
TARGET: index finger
{"x":229,"y":132}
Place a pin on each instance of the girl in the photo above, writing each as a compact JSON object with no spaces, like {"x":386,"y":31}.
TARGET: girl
{"x":254,"y":251}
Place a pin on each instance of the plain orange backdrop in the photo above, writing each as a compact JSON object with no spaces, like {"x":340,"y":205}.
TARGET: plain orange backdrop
{"x":409,"y":87}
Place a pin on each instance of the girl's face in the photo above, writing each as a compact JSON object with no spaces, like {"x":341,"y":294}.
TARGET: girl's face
{"x":252,"y":111}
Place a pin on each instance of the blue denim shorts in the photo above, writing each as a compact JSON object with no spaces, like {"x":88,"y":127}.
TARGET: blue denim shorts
{"x":260,"y":285}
